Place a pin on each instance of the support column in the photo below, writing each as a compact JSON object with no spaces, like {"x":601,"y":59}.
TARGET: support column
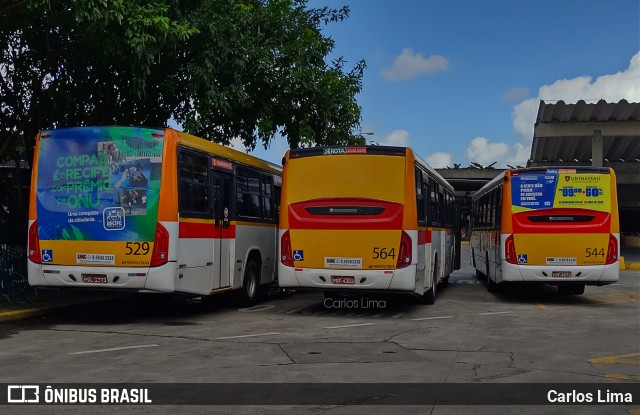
{"x":597,"y":151}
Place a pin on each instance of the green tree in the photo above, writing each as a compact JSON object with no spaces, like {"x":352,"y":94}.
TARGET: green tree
{"x":221,"y":68}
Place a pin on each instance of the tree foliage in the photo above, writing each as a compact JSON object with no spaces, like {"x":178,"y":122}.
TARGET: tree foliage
{"x":221,"y":68}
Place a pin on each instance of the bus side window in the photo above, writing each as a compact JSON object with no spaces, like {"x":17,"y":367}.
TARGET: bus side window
{"x":433,"y":202}
{"x":494,"y":208}
{"x":278,"y":192}
{"x":499,"y":207}
{"x":441,"y":207}
{"x":267,"y":197}
{"x":422,"y":219}
{"x":248,"y":193}
{"x":193,"y":188}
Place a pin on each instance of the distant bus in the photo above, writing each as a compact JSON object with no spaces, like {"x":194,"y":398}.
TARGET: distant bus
{"x":556,"y":226}
{"x":365,"y":218}
{"x":150,"y":210}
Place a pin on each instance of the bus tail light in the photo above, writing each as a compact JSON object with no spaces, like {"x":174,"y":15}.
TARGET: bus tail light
{"x":160,"y":254}
{"x":286,"y":254}
{"x":34,"y":243}
{"x":612,"y":250}
{"x":510,"y":250}
{"x":404,"y":254}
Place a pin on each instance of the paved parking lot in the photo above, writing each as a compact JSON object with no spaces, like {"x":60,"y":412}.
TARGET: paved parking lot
{"x":522,"y":335}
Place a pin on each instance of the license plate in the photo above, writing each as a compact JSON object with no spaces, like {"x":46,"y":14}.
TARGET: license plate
{"x":561,"y":274}
{"x":343,"y":280}
{"x":94,"y":278}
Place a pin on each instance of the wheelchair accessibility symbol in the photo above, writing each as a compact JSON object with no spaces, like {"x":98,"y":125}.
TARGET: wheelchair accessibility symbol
{"x":298,"y":255}
{"x":47,"y":255}
{"x":523,"y":259}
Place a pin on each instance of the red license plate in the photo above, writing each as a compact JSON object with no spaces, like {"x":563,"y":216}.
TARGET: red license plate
{"x":94,"y":278}
{"x":343,"y":280}
{"x":561,"y":274}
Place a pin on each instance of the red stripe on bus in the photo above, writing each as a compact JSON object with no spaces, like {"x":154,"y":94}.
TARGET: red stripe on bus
{"x":424,"y":237}
{"x":389,"y":219}
{"x":205,"y":230}
{"x":601,"y":222}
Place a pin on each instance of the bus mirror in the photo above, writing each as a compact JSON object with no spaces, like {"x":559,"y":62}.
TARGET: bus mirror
{"x":284,"y":161}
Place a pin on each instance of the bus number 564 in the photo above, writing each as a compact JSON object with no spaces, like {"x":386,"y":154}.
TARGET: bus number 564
{"x":383,"y":254}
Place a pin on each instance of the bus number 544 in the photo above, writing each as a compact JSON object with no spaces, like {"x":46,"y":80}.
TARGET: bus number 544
{"x":594,"y":252}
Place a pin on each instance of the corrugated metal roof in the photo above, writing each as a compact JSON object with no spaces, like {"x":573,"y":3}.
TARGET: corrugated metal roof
{"x":583,"y":112}
{"x":579,"y":149}
{"x":567,"y":147}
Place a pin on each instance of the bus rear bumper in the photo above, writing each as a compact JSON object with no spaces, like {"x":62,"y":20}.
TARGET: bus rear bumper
{"x":157,"y":279}
{"x":402,"y":280}
{"x":588,"y":275}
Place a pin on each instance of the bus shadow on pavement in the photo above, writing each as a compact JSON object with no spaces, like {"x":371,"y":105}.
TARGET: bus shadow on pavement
{"x":544,"y":293}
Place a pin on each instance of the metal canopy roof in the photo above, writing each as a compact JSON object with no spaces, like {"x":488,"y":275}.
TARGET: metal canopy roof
{"x":563,"y":132}
{"x":583,"y":112}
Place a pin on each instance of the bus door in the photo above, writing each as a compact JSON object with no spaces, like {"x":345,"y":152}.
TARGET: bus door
{"x":224,"y":232}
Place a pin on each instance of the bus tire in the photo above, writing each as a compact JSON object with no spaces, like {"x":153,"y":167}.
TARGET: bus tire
{"x":429,"y":298}
{"x":248,"y":294}
{"x":480,"y":275}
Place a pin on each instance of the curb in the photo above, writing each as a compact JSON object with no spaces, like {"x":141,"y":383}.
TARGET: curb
{"x":45,"y":310}
{"x":14,"y":315}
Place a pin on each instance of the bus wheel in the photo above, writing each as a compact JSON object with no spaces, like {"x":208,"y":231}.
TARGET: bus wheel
{"x":429,"y":298}
{"x":249,"y":291}
{"x":480,"y":275}
{"x":492,"y":287}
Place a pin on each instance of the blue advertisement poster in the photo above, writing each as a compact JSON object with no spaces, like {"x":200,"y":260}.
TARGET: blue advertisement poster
{"x":561,"y":188}
{"x":533,"y":191}
{"x":99,"y":184}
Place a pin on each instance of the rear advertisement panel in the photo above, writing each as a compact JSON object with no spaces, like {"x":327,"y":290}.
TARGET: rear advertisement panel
{"x":565,"y":237}
{"x":98,"y":185}
{"x":561,"y":188}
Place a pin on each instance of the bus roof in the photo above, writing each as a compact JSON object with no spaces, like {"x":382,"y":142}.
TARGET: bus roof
{"x":196,"y":143}
{"x":539,"y":170}
{"x":434,"y":173}
{"x":347,"y":149}
{"x":368,"y":149}
{"x":226,"y":152}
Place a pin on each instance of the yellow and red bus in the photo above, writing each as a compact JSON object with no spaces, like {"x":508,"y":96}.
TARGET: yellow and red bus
{"x":365,"y":218}
{"x":150,"y":210}
{"x":556,"y":226}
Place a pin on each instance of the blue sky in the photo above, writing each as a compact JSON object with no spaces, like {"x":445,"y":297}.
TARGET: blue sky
{"x":460,"y":81}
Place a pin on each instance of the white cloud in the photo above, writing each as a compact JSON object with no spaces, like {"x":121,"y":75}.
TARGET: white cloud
{"x":408,"y":65}
{"x":440,"y":160}
{"x":481,"y":151}
{"x":515,"y":94}
{"x":611,"y":88}
{"x":398,"y":138}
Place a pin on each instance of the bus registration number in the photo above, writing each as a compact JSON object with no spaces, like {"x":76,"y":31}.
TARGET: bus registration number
{"x":343,"y":280}
{"x":94,"y":278}
{"x":561,"y":274}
